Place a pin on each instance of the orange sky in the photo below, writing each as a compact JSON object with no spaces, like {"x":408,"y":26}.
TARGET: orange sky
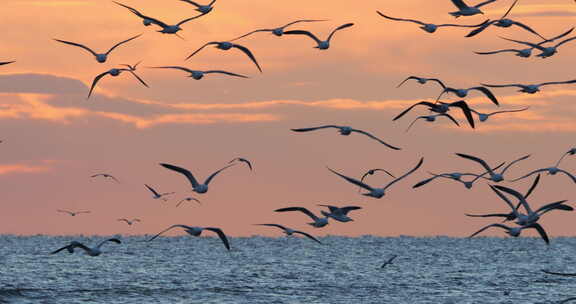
{"x":54,"y":139}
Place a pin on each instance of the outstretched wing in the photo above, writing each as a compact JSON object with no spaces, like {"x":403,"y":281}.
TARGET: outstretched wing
{"x":161,"y":232}
{"x":487,"y":227}
{"x":533,"y":172}
{"x":343,"y":26}
{"x":221,"y":235}
{"x":307,"y":235}
{"x":201,"y":48}
{"x":183,"y":171}
{"x":488,"y":94}
{"x":216,"y":173}
{"x":376,"y":138}
{"x":314,"y":128}
{"x":476,"y":159}
{"x":459,"y":4}
{"x":400,"y":19}
{"x":191,"y":18}
{"x":541,"y":231}
{"x":424,"y":103}
{"x":152,"y":190}
{"x":301,"y":32}
{"x":484,"y":3}
{"x":78,"y":45}
{"x":406,"y":174}
{"x":514,"y":161}
{"x":248,"y":53}
{"x":301,"y":209}
{"x":226,"y":73}
{"x":272,"y":225}
{"x":121,"y":42}
{"x":480,"y":29}
{"x":138,"y":77}
{"x":353,"y":181}
{"x":96,"y":79}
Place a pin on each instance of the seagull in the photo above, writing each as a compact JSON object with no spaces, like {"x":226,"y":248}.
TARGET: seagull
{"x":226,"y":45}
{"x":289,"y":231}
{"x":322,"y":44}
{"x":318,"y":222}
{"x":464,"y":92}
{"x":156,"y":195}
{"x":495,"y":177}
{"x":551,"y":170}
{"x":105,"y":175}
{"x":545,"y":51}
{"x":339,"y":213}
{"x":422,"y":80}
{"x":346,"y":130}
{"x":72,"y":213}
{"x":503,"y":22}
{"x":465,"y":10}
{"x":484,"y":116}
{"x":188,"y":199}
{"x":432,"y":118}
{"x":389,"y":262}
{"x":377,"y":192}
{"x":89,"y":251}
{"x":442,"y":108}
{"x":197,"y":74}
{"x":197,"y":231}
{"x":242,"y":160}
{"x":115,"y":72}
{"x":515,"y":231}
{"x":129,"y":222}
{"x":430,"y":27}
{"x":279,"y":31}
{"x":529,"y":88}
{"x":100,"y":57}
{"x":204,"y":9}
{"x":196,"y":187}
{"x":166,"y":29}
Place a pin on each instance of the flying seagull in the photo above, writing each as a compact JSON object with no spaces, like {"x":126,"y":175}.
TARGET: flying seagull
{"x":495,"y":177}
{"x":242,"y":160}
{"x":129,"y":222}
{"x":196,"y":187}
{"x":423,"y":80}
{"x":377,"y":192}
{"x":289,"y":231}
{"x":105,"y":175}
{"x":225,"y":46}
{"x":339,"y":213}
{"x":545,"y":51}
{"x":115,"y":72}
{"x":100,"y":57}
{"x":321,"y":44}
{"x":430,"y":27}
{"x":484,"y":116}
{"x":188,"y":199}
{"x":318,"y":222}
{"x":72,"y":213}
{"x":197,"y":231}
{"x":279,"y":31}
{"x":346,"y":130}
{"x":204,"y":9}
{"x":529,"y":88}
{"x":457,"y":176}
{"x":89,"y":251}
{"x":157,"y":195}
{"x":442,"y":108}
{"x":465,"y":10}
{"x":432,"y":118}
{"x":197,"y":74}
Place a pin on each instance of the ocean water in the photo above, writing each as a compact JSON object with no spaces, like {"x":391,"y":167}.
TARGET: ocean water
{"x":288,"y":270}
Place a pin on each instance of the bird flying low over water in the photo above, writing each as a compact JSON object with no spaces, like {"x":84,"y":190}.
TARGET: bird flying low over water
{"x":423,"y":80}
{"x":377,"y":192}
{"x":442,"y":108}
{"x":339,"y":213}
{"x":504,"y":22}
{"x":197,"y":231}
{"x":225,"y":46}
{"x":466,"y":10}
{"x":204,"y":9}
{"x":346,"y":130}
{"x":279,"y":31}
{"x":484,"y":116}
{"x":129,"y":222}
{"x":318,"y":222}
{"x":166,"y":28}
{"x":115,"y":72}
{"x":289,"y":231}
{"x":529,"y":88}
{"x":321,"y":44}
{"x":89,"y":251}
{"x":158,"y":195}
{"x":72,"y":213}
{"x":197,"y":74}
{"x":464,"y":92}
{"x":100,"y":57}
{"x":107,"y":176}
{"x":430,"y":27}
{"x":196,"y":186}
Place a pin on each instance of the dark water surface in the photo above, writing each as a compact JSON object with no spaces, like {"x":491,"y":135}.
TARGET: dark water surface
{"x":288,"y":270}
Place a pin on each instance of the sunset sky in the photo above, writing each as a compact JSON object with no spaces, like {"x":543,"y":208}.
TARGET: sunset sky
{"x":54,"y":139}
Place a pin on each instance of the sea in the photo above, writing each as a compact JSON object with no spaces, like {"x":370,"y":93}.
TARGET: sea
{"x":188,"y":269}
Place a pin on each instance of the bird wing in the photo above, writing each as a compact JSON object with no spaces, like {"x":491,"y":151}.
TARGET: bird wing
{"x":307,"y":235}
{"x":121,"y":42}
{"x":406,"y":174}
{"x":301,"y":32}
{"x":138,"y":77}
{"x":114,"y":240}
{"x":449,"y":117}
{"x":530,"y":44}
{"x":343,"y":26}
{"x":533,"y":172}
{"x":568,"y":174}
{"x":510,"y":111}
{"x":480,"y":29}
{"x":558,"y":82}
{"x":252,"y":32}
{"x":96,"y":79}
{"x":424,"y":182}
{"x":186,"y":173}
{"x":152,"y":190}
{"x":476,"y":159}
{"x":173,"y":226}
{"x":425,"y":103}
{"x":565,"y":41}
{"x":273,"y":225}
{"x":505,"y":199}
{"x":69,"y":247}
{"x":532,"y":187}
{"x":524,"y":26}
{"x":484,"y":3}
{"x":248,"y":53}
{"x":437,"y":81}
{"x":137,"y":13}
{"x":78,"y":45}
{"x":400,"y":19}
{"x":488,"y":215}
{"x":496,"y":52}
{"x":216,"y":173}
{"x":460,"y":4}
{"x":221,"y":235}
{"x":191,"y":2}
{"x":509,"y":10}
{"x":303,"y":20}
{"x":541,"y":231}
{"x":559,"y":205}
{"x":407,"y":78}
{"x":6,"y":62}
{"x":376,"y":138}
{"x":488,"y":94}
{"x":557,"y":37}
{"x":489,"y":226}
{"x":189,"y":19}
{"x":413,"y":122}
{"x":225,"y":72}
{"x":64,"y":211}
{"x":314,"y":128}
{"x":174,"y":67}
{"x":353,"y":181}
{"x":516,"y":194}
{"x":347,"y":209}
{"x":513,"y":162}
{"x":201,"y":48}
{"x":301,"y":209}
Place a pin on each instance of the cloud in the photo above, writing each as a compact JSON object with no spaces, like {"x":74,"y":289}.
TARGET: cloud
{"x":6,"y":169}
